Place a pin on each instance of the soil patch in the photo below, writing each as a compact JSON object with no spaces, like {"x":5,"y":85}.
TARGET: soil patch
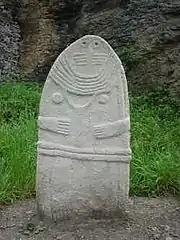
{"x":156,"y":219}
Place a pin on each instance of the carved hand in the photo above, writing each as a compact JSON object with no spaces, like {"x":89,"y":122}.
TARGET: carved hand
{"x":53,"y":124}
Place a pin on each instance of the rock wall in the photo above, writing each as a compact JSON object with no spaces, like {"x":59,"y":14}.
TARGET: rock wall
{"x":9,"y":42}
{"x":145,"y":34}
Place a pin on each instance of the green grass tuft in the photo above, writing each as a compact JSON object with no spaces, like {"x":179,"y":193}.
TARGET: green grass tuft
{"x":18,"y":101}
{"x":155,"y":167}
{"x":17,"y":163}
{"x":155,"y":140}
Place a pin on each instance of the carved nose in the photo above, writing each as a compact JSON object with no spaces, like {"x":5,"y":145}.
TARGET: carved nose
{"x":90,"y":50}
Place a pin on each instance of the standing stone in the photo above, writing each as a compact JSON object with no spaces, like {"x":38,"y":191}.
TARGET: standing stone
{"x":84,"y":139}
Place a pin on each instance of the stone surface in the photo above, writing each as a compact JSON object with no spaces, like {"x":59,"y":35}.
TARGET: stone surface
{"x":84,"y":139}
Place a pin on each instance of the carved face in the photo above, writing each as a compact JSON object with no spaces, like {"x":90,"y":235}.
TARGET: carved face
{"x":89,"y":56}
{"x":86,"y":67}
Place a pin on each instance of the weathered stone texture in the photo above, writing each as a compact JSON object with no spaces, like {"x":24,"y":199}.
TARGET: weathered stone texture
{"x":84,"y":133}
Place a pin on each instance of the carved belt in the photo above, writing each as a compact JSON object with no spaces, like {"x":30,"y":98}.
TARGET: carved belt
{"x":87,"y":154}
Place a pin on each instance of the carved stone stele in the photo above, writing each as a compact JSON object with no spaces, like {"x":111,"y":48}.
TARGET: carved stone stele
{"x":84,"y":133}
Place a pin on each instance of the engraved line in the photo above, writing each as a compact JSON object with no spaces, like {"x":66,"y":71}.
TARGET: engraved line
{"x":96,"y":84}
{"x":55,"y":75}
{"x":90,"y":81}
{"x":63,"y":132}
{"x":65,"y":83}
{"x":81,"y":76}
{"x":81,"y":106}
{"x":92,"y":87}
{"x":80,"y":85}
{"x":67,"y":79}
{"x":81,"y":90}
{"x":98,"y":58}
{"x":80,"y":61}
{"x":55,"y":131}
{"x":80,"y":58}
{"x":90,"y":91}
{"x":54,"y":118}
{"x":63,"y":120}
{"x":108,"y":151}
{"x":97,"y":63}
{"x":62,"y":75}
{"x":93,"y":78}
{"x":85,"y":91}
{"x":100,"y":54}
{"x":125,"y":92}
{"x":63,"y":71}
{"x":79,"y":54}
{"x":85,"y":157}
{"x":81,"y":64}
{"x":59,"y":79}
{"x":115,"y":123}
{"x":63,"y":123}
{"x":62,"y":128}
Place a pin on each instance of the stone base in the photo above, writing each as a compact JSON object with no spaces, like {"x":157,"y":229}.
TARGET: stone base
{"x":68,"y":189}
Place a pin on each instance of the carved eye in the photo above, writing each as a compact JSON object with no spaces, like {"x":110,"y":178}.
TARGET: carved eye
{"x":104,"y":99}
{"x":96,"y":44}
{"x":57,"y":98}
{"x":84,"y":43}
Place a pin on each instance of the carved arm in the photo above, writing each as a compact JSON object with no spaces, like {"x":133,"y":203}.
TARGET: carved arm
{"x":53,"y":124}
{"x":112,"y":128}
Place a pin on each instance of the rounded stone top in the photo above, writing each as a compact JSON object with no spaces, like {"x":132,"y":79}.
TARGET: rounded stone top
{"x":88,"y":66}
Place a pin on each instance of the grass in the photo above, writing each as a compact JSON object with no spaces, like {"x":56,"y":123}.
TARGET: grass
{"x":18,"y":135}
{"x":155,"y":169}
{"x":155,"y":165}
